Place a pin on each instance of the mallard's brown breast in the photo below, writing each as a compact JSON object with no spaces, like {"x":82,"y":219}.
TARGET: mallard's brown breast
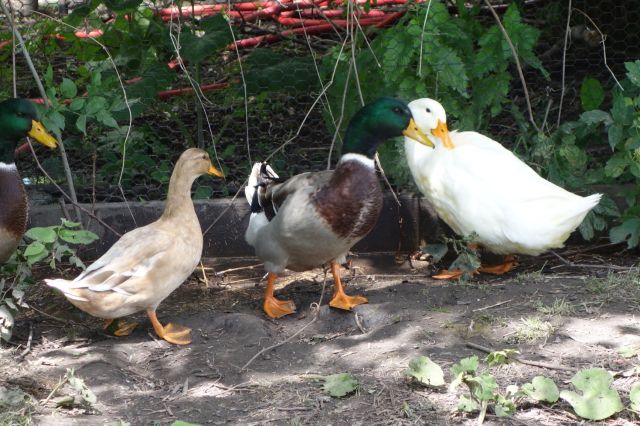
{"x":351,"y":201}
{"x":13,"y":211}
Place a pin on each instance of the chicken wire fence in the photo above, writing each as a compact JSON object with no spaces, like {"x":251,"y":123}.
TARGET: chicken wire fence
{"x":252,"y":126}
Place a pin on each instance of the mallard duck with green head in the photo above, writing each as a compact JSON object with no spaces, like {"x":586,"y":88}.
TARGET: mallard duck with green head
{"x":18,"y":119}
{"x":316,"y":217}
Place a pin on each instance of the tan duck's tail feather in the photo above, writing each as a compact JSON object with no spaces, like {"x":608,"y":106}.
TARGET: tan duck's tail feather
{"x":66,"y":287}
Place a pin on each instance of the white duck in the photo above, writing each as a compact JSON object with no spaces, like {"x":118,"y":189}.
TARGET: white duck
{"x":476,"y":185}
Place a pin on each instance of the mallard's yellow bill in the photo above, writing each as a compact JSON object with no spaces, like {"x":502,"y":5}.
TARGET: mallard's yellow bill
{"x":442,"y":132}
{"x":41,"y":135}
{"x":215,"y":172}
{"x":414,"y":133}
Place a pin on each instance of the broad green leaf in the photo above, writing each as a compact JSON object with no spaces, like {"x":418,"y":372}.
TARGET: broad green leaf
{"x":591,"y":94}
{"x":483,"y":387}
{"x":425,"y":371}
{"x":634,"y":397}
{"x":629,"y":351}
{"x":621,"y":112}
{"x":504,"y":407}
{"x":467,"y":404}
{"x":339,"y":385}
{"x":107,"y":119}
{"x":77,"y":236}
{"x":44,"y":235}
{"x":77,"y":104}
{"x":595,"y":116}
{"x":615,"y":134}
{"x":95,"y":105}
{"x":34,"y":249}
{"x":616,"y":165}
{"x":541,"y":388}
{"x":633,"y":71}
{"x":68,"y":88}
{"x":598,"y":400}
{"x":217,"y":35}
{"x":628,"y":231}
{"x":466,"y":365}
{"x":69,"y":223}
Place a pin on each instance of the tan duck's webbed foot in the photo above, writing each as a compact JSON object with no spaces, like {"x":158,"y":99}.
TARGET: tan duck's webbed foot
{"x":445,"y":274}
{"x":172,"y":333}
{"x":118,"y":327}
{"x":273,"y":307}
{"x":508,"y":264}
{"x":340,"y":299}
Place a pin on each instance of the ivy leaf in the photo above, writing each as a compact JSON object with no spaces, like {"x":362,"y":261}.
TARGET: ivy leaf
{"x":339,"y":385}
{"x":425,"y":371}
{"x":598,"y":400}
{"x":634,"y":397}
{"x":628,"y":231}
{"x":541,"y":388}
{"x":42,"y":234}
{"x":591,"y":94}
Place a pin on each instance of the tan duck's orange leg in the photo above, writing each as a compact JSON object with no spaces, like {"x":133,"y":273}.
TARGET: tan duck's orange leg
{"x":273,"y":307}
{"x":172,"y":333}
{"x":508,"y":264}
{"x":446,"y":274}
{"x":118,"y":327}
{"x":340,"y":299}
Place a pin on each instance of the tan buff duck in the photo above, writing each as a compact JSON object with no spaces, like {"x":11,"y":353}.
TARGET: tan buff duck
{"x":18,"y":119}
{"x":142,"y":268}
{"x":315,"y":218}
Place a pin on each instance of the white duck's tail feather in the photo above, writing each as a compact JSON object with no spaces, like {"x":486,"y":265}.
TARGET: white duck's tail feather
{"x":66,"y":287}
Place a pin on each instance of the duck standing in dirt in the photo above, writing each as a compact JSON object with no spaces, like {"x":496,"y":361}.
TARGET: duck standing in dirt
{"x":316,"y":217}
{"x":148,"y":263}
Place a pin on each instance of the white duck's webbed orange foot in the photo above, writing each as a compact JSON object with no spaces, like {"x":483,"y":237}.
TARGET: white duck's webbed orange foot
{"x":172,"y":333}
{"x":275,"y":308}
{"x":119,"y":328}
{"x":508,"y":264}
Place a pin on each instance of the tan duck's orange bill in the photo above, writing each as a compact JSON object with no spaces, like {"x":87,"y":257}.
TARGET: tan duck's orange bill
{"x":215,"y":172}
{"x":41,"y":135}
{"x":442,"y":132}
{"x":416,"y":134}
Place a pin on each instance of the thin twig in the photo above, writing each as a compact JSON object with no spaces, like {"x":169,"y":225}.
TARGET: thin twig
{"x":520,"y":360}
{"x":424,"y":26}
{"x":604,"y":48}
{"x":491,"y":306}
{"x":564,"y":61}
{"x":315,"y":306}
{"x":240,"y":268}
{"x":62,"y":381}
{"x":517,"y":60}
{"x":29,"y":340}
{"x":43,"y":94}
{"x":584,"y":265}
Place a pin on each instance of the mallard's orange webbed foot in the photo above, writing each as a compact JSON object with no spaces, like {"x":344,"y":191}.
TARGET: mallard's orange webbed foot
{"x":172,"y":333}
{"x":118,"y":327}
{"x":340,"y":299}
{"x":275,"y":308}
{"x":508,"y":264}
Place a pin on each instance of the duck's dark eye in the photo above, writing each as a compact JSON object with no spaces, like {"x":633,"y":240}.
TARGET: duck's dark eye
{"x":397,"y":110}
{"x":204,"y":157}
{"x":21,"y":114}
{"x":428,"y":110}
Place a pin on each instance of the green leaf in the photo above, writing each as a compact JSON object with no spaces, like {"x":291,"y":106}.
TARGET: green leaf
{"x":69,"y":224}
{"x":425,"y":371}
{"x":628,"y":231}
{"x":616,"y":165}
{"x":107,"y":119}
{"x":35,"y":249}
{"x":95,"y":105}
{"x":633,"y":71}
{"x":500,"y":357}
{"x":339,"y":385}
{"x":615,"y":134}
{"x":483,"y":387}
{"x":269,"y":71}
{"x":621,"y":112}
{"x":446,"y":65}
{"x":467,"y":404}
{"x":541,"y":388}
{"x":77,"y":236}
{"x":81,"y":123}
{"x":629,"y":351}
{"x":181,"y":423}
{"x":437,"y":251}
{"x":466,"y":365}
{"x":44,"y":235}
{"x":591,"y":94}
{"x":122,"y":5}
{"x":77,"y":104}
{"x":68,"y":88}
{"x":597,"y":401}
{"x":217,"y":36}
{"x":504,"y":407}
{"x":634,"y":397}
{"x":595,"y":116}
{"x":79,"y":386}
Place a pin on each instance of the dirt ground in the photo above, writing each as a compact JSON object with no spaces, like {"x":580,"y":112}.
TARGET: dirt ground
{"x":571,"y":316}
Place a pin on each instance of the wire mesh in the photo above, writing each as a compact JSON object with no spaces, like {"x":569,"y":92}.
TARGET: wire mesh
{"x":172,"y":122}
